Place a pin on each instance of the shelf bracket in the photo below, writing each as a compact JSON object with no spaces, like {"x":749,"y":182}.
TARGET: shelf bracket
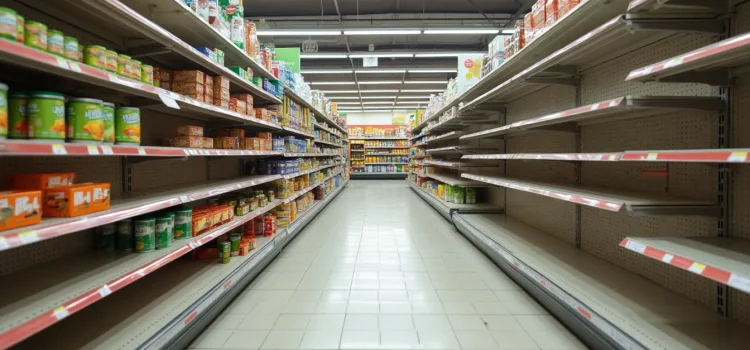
{"x":558,"y":71}
{"x":667,"y":210}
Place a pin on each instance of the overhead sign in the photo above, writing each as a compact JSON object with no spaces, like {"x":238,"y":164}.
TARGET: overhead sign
{"x":370,"y":62}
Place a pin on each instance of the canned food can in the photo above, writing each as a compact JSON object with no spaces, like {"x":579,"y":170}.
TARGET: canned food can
{"x":35,"y":35}
{"x":80,"y":53}
{"x":95,"y":56}
{"x":108,"y":118}
{"x":135,"y":69}
{"x":56,"y":43}
{"x":105,"y":237}
{"x":110,"y":57}
{"x":183,"y":223}
{"x":71,"y":48}
{"x":147,"y":74}
{"x":162,"y":231}
{"x":20,"y":21}
{"x":172,"y":216}
{"x":145,"y":236}
{"x":234,"y":241}
{"x":46,"y":113}
{"x":84,"y":120}
{"x":128,"y":126}
{"x":8,"y":23}
{"x":125,"y":235}
{"x":123,"y":65}
{"x":225,"y":250}
{"x":17,"y":112}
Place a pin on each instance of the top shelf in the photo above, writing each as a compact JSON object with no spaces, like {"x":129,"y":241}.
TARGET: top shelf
{"x":293,"y":95}
{"x":377,"y":138}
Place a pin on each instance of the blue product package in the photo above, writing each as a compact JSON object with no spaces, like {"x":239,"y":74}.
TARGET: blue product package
{"x":207,"y":52}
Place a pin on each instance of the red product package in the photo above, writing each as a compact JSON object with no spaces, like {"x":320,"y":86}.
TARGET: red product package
{"x":550,"y":12}
{"x":538,"y":12}
{"x":565,"y":6}
{"x":528,"y":30}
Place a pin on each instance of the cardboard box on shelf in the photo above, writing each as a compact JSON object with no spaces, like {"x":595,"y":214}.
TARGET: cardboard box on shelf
{"x":40,"y":181}
{"x":189,"y":130}
{"x":165,"y":76}
{"x":538,"y":12}
{"x":188,"y":88}
{"x":20,"y":208}
{"x":188,"y":76}
{"x":565,"y":6}
{"x":550,"y":12}
{"x":76,"y":200}
{"x":187,"y":141}
{"x":528,"y":30}
{"x":245,"y":97}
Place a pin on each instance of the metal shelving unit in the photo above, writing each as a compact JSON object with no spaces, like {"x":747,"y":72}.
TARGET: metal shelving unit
{"x":327,"y":119}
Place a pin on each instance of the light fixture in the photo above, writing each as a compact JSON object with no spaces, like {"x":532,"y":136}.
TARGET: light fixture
{"x":413,"y":97}
{"x":383,"y":32}
{"x":382,"y":54}
{"x":379,"y":71}
{"x":377,"y":103}
{"x":339,"y":91}
{"x":415,"y":71}
{"x":322,"y":55}
{"x":378,"y":97}
{"x":325,"y":71}
{"x":508,"y":31}
{"x":332,"y":83}
{"x":298,"y":32}
{"x":411,"y":102}
{"x":425,"y":82}
{"x":447,"y":54}
{"x":366,"y":91}
{"x":423,"y":90}
{"x":461,"y":31}
{"x":379,"y":82}
{"x":347,"y":103}
{"x":343,"y":98}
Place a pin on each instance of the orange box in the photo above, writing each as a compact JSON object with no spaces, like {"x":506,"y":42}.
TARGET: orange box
{"x":538,"y":12}
{"x":188,"y":141}
{"x":221,"y":102}
{"x":188,"y":88}
{"x":528,"y":30}
{"x":165,"y":85}
{"x":221,"y":83}
{"x":188,"y":76}
{"x":165,"y":76}
{"x":240,"y":106}
{"x":20,"y":208}
{"x":76,"y":200}
{"x":550,"y":12}
{"x":40,"y":181}
{"x":565,"y":6}
{"x":248,"y":100}
{"x":227,"y":142}
{"x":250,"y":143}
{"x":189,"y":130}
{"x":208,"y":142}
{"x":265,"y":135}
{"x":208,"y":99}
{"x":208,"y":81}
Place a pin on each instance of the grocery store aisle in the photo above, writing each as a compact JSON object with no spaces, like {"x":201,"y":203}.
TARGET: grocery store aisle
{"x":379,"y":268}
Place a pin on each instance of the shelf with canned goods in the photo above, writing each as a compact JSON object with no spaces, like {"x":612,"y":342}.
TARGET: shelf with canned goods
{"x":446,"y":208}
{"x":134,"y":205}
{"x":329,"y":143}
{"x":303,"y":155}
{"x":594,"y":157}
{"x":129,"y":24}
{"x":378,"y":138}
{"x":142,"y":94}
{"x":31,"y":148}
{"x":609,"y":199}
{"x":456,"y":165}
{"x":626,"y":107}
{"x":310,"y":188}
{"x":308,"y":171}
{"x":175,"y":301}
{"x":456,"y":180}
{"x":318,"y":114}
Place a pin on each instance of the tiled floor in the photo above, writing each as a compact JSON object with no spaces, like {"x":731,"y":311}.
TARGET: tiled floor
{"x":380,"y":269}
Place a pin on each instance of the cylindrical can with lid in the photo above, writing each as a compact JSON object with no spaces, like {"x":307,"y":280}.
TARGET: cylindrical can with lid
{"x":225,"y":251}
{"x":105,"y":237}
{"x":46,"y":115}
{"x":95,"y":56}
{"x":20,"y":22}
{"x":17,"y":112}
{"x":111,"y":61}
{"x":234,"y":241}
{"x":108,"y":117}
{"x":128,"y":126}
{"x":123,"y":65}
{"x":162,"y":231}
{"x":71,"y":48}
{"x":172,"y":216}
{"x":3,"y":111}
{"x":157,"y":77}
{"x":125,"y":235}
{"x":35,"y":35}
{"x":56,"y":42}
{"x":147,"y":74}
{"x":84,"y":120}
{"x":8,"y":23}
{"x":183,"y":223}
{"x":135,"y":69}
{"x":144,"y":228}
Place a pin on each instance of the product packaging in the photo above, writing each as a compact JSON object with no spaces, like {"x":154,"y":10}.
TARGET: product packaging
{"x":550,"y":12}
{"x":76,"y":200}
{"x":188,"y":76}
{"x":189,"y":130}
{"x":40,"y":181}
{"x":20,"y":208}
{"x":188,"y":141}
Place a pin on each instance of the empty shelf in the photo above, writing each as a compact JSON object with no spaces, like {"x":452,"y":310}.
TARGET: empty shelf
{"x":455,"y":180}
{"x":456,"y":165}
{"x":594,"y":157}
{"x":445,"y":137}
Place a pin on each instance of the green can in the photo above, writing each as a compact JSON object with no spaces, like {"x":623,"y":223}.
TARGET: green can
{"x":123,"y":65}
{"x":80,"y":53}
{"x":135,"y":69}
{"x":225,"y":251}
{"x":35,"y":35}
{"x":17,"y":111}
{"x":471,"y":196}
{"x":145,"y":233}
{"x":147,"y":74}
{"x":46,"y":116}
{"x":171,"y":226}
{"x":3,"y":111}
{"x":105,"y":237}
{"x":128,"y":126}
{"x":56,"y":42}
{"x":19,"y":28}
{"x":108,"y":117}
{"x":71,"y":48}
{"x":183,"y":223}
{"x":111,"y":61}
{"x":95,"y":56}
{"x":162,"y":231}
{"x":85,"y":123}
{"x":459,"y":195}
{"x":125,"y":235}
{"x":8,"y":23}
{"x":234,"y":241}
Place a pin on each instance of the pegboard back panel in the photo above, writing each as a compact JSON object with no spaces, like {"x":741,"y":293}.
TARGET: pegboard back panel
{"x":13,"y":260}
{"x":551,"y":99}
{"x":607,"y":80}
{"x":549,"y":215}
{"x":154,"y":174}
{"x":741,"y":20}
{"x":602,"y":231}
{"x":224,"y":168}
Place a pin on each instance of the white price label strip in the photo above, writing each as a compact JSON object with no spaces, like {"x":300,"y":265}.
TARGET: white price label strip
{"x":28,"y":237}
{"x":104,"y":291}
{"x":74,"y":66}
{"x":62,"y":63}
{"x":59,"y":149}
{"x":184,"y":199}
{"x":4,"y":243}
{"x":740,"y":282}
{"x":61,"y":312}
{"x":107,"y":150}
{"x":141,"y":151}
{"x":168,"y":101}
{"x":93,"y":150}
{"x":636,"y":246}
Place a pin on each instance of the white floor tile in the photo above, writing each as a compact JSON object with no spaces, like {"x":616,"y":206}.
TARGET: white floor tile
{"x":467,"y":323}
{"x":361,"y":322}
{"x":320,"y":340}
{"x":476,"y":340}
{"x":514,"y":340}
{"x":437,"y":339}
{"x":246,"y":340}
{"x":432,"y":323}
{"x":351,"y":339}
{"x":395,"y":323}
{"x":212,"y":339}
{"x":399,"y":340}
{"x":283,"y":340}
{"x":556,"y":340}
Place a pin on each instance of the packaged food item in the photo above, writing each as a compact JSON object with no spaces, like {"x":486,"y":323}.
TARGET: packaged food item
{"x":76,"y":200}
{"x":85,"y":123}
{"x":20,"y":208}
{"x":165,"y":75}
{"x":225,"y":251}
{"x":240,"y":106}
{"x":108,"y":119}
{"x":128,"y":126}
{"x":183,"y":221}
{"x":162,"y":231}
{"x":56,"y":42}
{"x":538,"y":12}
{"x":80,"y":53}
{"x":269,"y":225}
{"x":95,"y":56}
{"x":8,"y":23}
{"x":123,"y":65}
{"x":124,"y":233}
{"x":208,"y":142}
{"x":528,"y":30}
{"x":105,"y":237}
{"x":135,"y":69}
{"x":35,"y":35}
{"x":550,"y":12}
{"x":247,"y":99}
{"x":565,"y":6}
{"x":184,"y":88}
{"x":188,"y":76}
{"x":46,"y":116}
{"x":157,"y":76}
{"x":40,"y":181}
{"x":20,"y":24}
{"x":221,"y":83}
{"x":145,"y":233}
{"x":71,"y":48}
{"x":199,"y":222}
{"x":188,"y":141}
{"x":219,"y":56}
{"x":189,"y":130}
{"x":17,"y":113}
{"x":234,"y":241}
{"x":147,"y":74}
{"x":208,"y":52}
{"x":470,"y":195}
{"x":226,"y":142}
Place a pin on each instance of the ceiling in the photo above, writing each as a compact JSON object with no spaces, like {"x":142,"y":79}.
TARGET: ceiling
{"x":408,"y":84}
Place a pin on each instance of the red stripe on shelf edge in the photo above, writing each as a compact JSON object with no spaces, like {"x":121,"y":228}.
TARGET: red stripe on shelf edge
{"x":686,"y":156}
{"x":191,"y":317}
{"x":654,"y":253}
{"x":227,"y":284}
{"x":716,"y":274}
{"x":584,"y":312}
{"x":681,"y":262}
{"x":624,"y":242}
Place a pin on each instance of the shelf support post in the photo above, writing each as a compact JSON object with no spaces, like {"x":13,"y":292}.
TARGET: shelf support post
{"x":725,"y":186}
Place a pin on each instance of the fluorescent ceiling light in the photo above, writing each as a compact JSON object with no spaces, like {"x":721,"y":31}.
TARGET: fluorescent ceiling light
{"x":413,"y":97}
{"x":447,"y":54}
{"x":332,"y":83}
{"x":325,"y":71}
{"x":508,"y":31}
{"x":347,"y":103}
{"x":343,"y":98}
{"x":377,"y":103}
{"x":425,"y":82}
{"x":324,"y":55}
{"x":461,"y":31}
{"x":383,"y":32}
{"x":377,"y":97}
{"x":425,"y":90}
{"x":339,"y":92}
{"x":297,"y":32}
{"x":411,"y":102}
{"x":379,"y":71}
{"x":382,"y":54}
{"x":379,"y":82}
{"x":364,"y":91}
{"x":413,"y":71}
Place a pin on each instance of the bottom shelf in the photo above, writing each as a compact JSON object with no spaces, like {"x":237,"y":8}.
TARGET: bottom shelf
{"x":605,"y":305}
{"x":376,"y":176}
{"x":446,"y":209}
{"x":163,"y":309}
